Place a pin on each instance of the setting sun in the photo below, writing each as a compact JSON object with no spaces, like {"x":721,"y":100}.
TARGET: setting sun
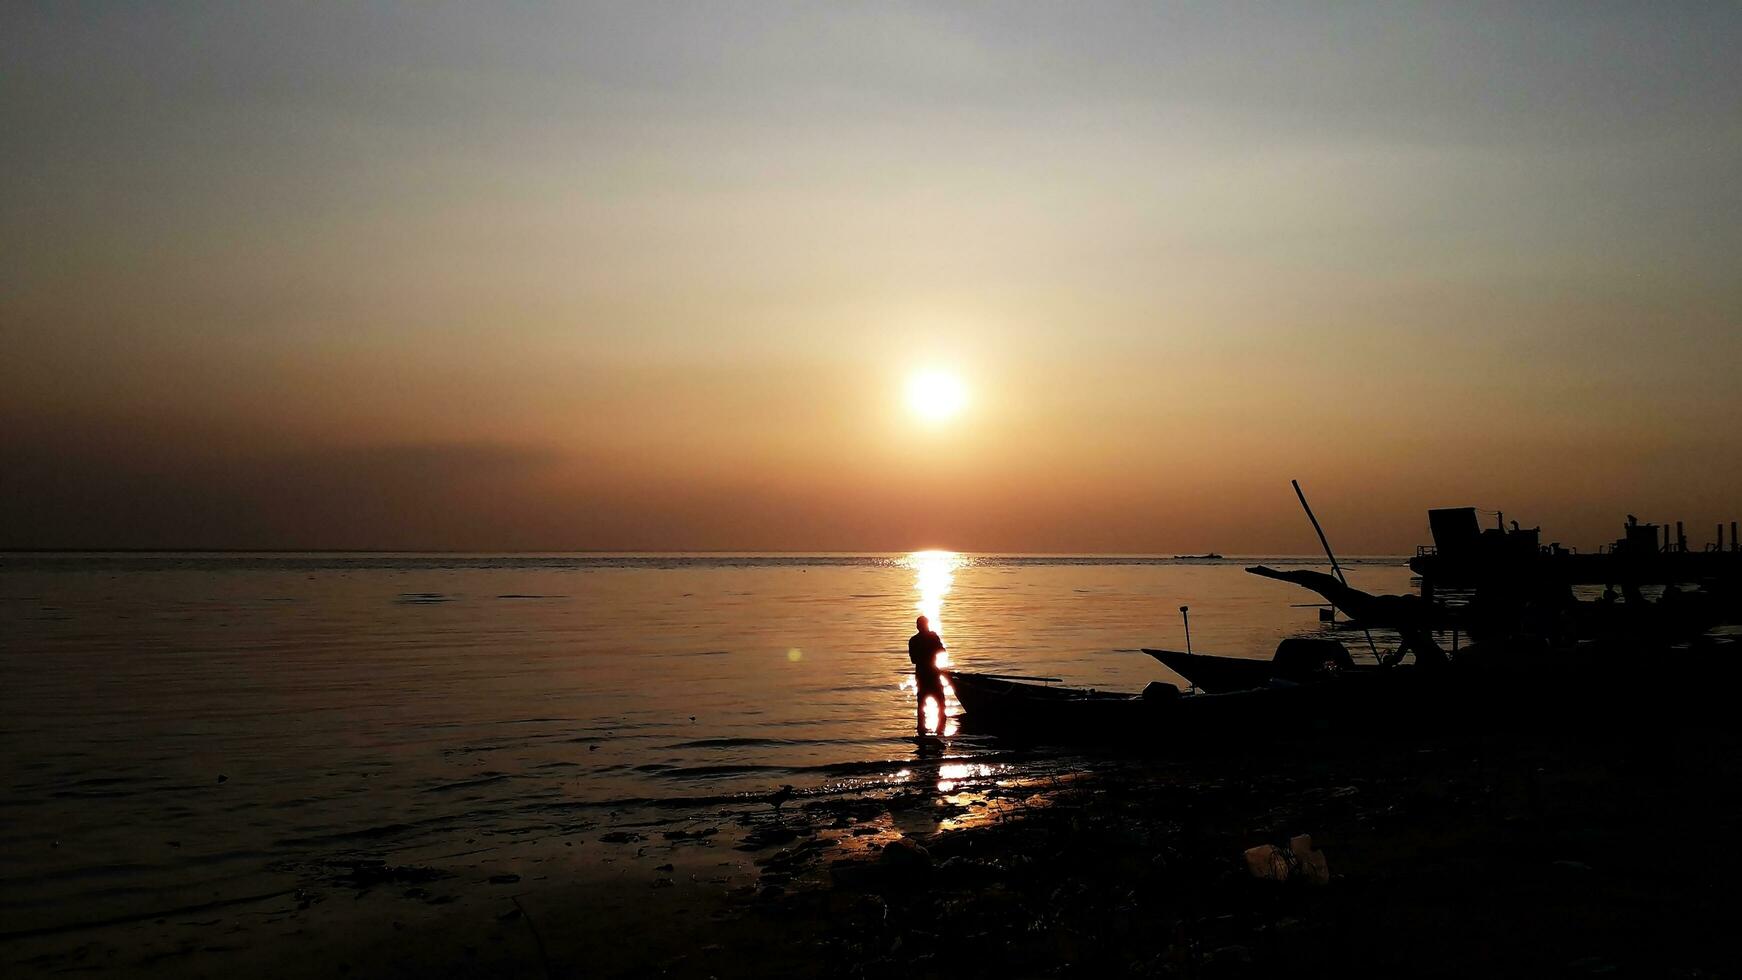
{"x":936,"y":395}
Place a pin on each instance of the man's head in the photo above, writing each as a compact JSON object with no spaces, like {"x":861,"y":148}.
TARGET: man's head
{"x":922,"y":623}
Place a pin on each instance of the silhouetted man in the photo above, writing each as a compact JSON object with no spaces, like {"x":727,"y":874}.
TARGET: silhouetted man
{"x":923,"y":649}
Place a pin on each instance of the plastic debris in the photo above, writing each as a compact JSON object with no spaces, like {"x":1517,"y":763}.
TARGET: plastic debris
{"x":1300,"y":861}
{"x":1268,"y":862}
{"x":1309,"y":863}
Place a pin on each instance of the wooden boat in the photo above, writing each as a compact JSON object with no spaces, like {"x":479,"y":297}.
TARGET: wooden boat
{"x":1054,"y":714}
{"x":1214,"y":674}
{"x":1067,"y":714}
{"x":1482,"y":694}
{"x":1297,"y":660}
{"x":997,"y":701}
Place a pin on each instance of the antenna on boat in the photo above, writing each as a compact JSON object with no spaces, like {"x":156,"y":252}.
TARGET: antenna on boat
{"x":1184,"y":614}
{"x":1334,"y":566}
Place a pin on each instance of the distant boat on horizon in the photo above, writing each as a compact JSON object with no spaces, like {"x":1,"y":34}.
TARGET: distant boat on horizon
{"x":1212,"y":556}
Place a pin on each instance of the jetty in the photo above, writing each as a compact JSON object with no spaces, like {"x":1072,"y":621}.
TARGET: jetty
{"x":1466,"y":556}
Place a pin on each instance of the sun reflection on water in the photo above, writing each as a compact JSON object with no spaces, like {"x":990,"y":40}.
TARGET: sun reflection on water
{"x":934,"y":572}
{"x":956,"y":772}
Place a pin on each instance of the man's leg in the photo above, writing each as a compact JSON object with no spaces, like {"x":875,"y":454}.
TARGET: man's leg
{"x":937,"y":698}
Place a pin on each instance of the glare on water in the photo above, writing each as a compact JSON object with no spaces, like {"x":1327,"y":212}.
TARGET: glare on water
{"x":933,"y":574}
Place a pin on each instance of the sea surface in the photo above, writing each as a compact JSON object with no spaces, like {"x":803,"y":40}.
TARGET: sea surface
{"x":177,"y":728}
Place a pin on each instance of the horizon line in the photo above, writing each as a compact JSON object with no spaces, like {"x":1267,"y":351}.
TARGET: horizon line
{"x":651,"y":551}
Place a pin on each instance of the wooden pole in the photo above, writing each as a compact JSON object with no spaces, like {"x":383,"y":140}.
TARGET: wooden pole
{"x":1334,"y":566}
{"x":1320,"y":531}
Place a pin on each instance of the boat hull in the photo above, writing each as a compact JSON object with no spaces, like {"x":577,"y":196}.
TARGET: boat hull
{"x":1297,"y":660}
{"x":1561,"y":692}
{"x":1061,"y":714}
{"x":1214,"y":674}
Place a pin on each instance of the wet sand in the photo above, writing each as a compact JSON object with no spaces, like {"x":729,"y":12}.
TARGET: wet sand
{"x":1524,"y":855}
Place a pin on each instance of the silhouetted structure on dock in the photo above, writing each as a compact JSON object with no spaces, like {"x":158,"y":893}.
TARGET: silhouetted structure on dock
{"x":1465,"y":555}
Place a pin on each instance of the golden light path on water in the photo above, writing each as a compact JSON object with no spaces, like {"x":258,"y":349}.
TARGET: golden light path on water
{"x":933,"y":574}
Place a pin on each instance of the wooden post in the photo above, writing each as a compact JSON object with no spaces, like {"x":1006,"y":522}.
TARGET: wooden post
{"x":1681,"y":540}
{"x":1320,"y":531}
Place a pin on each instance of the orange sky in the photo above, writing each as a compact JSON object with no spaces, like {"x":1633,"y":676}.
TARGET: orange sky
{"x":618,"y":278}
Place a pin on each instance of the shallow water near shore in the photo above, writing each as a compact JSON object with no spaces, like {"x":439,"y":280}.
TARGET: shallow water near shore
{"x":183,"y":727}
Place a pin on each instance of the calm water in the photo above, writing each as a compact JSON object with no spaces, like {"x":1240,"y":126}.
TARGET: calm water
{"x":371,"y":704}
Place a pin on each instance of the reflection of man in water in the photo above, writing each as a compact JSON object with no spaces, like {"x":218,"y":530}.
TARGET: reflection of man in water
{"x":923,"y":649}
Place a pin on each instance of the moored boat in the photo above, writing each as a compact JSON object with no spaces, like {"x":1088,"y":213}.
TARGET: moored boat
{"x":1477,"y":696}
{"x":1067,"y":714}
{"x":1297,"y":660}
{"x":1214,"y":674}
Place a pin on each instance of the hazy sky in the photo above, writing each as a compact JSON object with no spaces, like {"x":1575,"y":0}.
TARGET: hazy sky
{"x":653,"y":275}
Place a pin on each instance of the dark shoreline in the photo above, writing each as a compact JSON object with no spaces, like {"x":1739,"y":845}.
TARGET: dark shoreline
{"x":1528,"y":854}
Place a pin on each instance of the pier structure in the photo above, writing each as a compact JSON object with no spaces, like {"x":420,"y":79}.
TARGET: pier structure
{"x":1467,"y":556}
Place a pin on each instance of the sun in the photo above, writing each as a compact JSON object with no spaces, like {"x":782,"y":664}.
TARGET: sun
{"x":936,"y":396}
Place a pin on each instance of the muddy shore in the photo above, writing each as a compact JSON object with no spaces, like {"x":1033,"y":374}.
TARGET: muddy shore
{"x":1526,"y":855}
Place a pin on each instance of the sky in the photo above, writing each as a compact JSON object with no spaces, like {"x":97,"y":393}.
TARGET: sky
{"x":650,"y":276}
